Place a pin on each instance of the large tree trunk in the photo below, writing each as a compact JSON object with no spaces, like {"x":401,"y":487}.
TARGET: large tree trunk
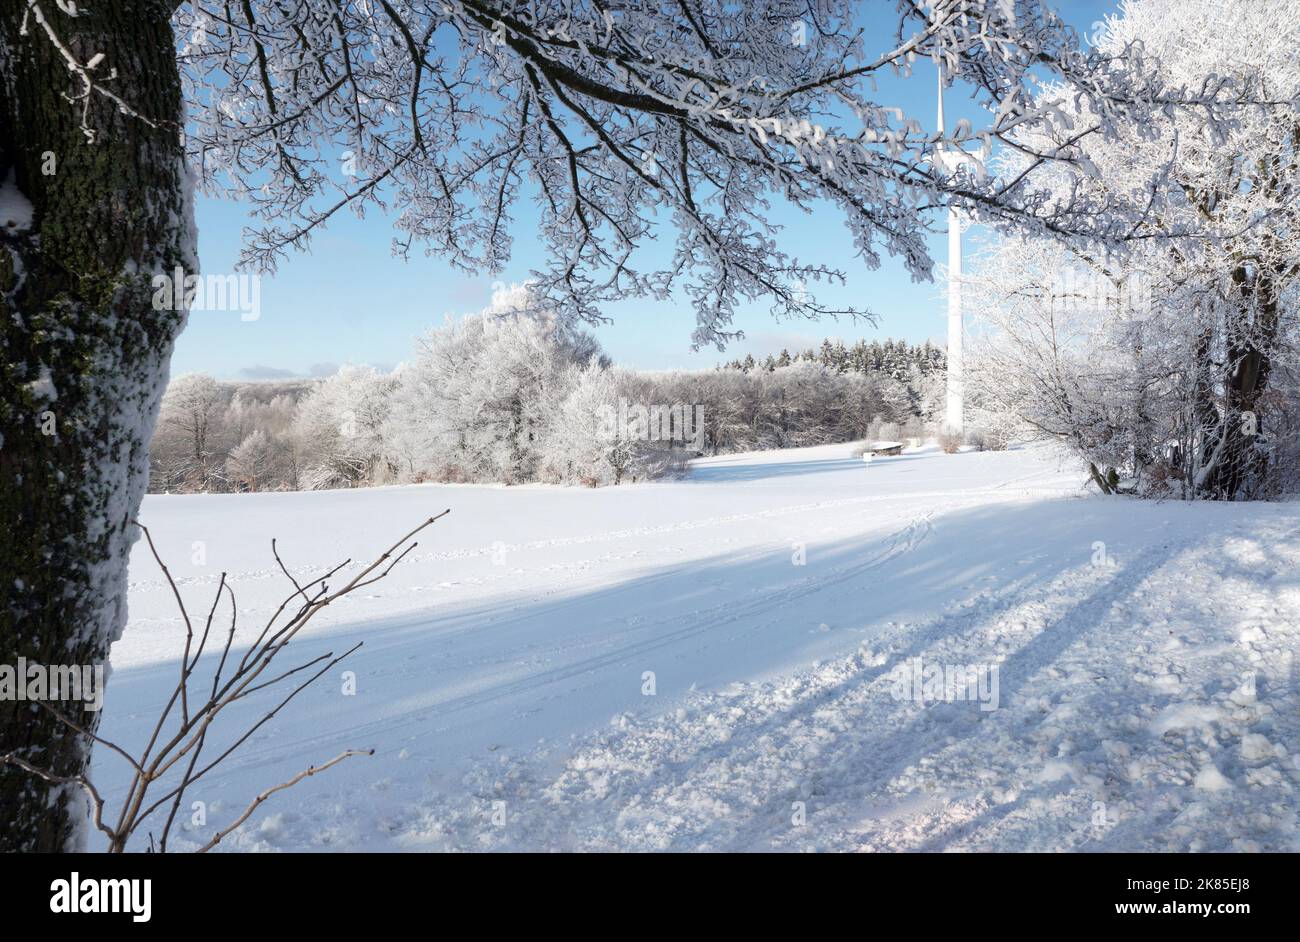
{"x":1236,"y":466}
{"x":85,"y":358}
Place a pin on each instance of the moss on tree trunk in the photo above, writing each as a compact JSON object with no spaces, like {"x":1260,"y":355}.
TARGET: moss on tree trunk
{"x":85,"y":360}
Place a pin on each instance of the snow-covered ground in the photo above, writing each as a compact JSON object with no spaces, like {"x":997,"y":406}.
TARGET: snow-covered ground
{"x":714,"y":663}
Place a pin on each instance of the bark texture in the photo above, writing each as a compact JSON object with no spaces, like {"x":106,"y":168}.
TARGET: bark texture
{"x":84,"y":358}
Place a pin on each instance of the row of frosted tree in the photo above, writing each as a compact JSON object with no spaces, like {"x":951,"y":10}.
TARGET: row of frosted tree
{"x":513,"y":395}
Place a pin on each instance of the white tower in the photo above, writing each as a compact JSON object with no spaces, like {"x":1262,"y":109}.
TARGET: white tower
{"x":950,"y":159}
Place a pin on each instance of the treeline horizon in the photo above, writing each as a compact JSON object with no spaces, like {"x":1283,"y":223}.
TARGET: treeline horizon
{"x":516,"y":397}
{"x":893,"y":357}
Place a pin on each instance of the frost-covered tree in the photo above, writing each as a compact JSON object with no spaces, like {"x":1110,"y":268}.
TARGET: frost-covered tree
{"x":1052,"y":351}
{"x":202,"y":422}
{"x":250,"y":462}
{"x":929,"y":392}
{"x":608,"y":117}
{"x":475,"y":402}
{"x":1156,"y":364}
{"x":797,"y":405}
{"x":584,"y":443}
{"x":340,"y":430}
{"x":719,"y":392}
{"x":191,"y":410}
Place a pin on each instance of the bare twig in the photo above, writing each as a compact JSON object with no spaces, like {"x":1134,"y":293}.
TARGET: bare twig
{"x":196,"y":719}
{"x":256,"y":802}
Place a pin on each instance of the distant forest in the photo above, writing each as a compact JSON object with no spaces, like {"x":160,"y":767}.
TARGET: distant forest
{"x":897,"y":359}
{"x":513,"y":398}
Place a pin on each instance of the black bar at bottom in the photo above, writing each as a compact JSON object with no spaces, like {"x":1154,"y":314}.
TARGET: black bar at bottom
{"x":338,"y":891}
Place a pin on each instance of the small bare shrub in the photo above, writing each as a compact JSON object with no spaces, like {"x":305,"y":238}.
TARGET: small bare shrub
{"x":177,"y":742}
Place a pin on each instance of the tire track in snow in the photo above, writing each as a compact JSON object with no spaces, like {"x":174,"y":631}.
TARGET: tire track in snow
{"x":723,"y":614}
{"x":628,"y":533}
{"x":836,"y":730}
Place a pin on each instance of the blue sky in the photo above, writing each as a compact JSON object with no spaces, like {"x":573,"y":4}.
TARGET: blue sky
{"x":350,"y":301}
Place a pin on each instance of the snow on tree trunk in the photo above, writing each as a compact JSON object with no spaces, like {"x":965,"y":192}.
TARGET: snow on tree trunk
{"x":85,"y":357}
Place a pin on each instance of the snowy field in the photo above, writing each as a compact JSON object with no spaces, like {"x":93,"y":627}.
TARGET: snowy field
{"x":1146,"y":697}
